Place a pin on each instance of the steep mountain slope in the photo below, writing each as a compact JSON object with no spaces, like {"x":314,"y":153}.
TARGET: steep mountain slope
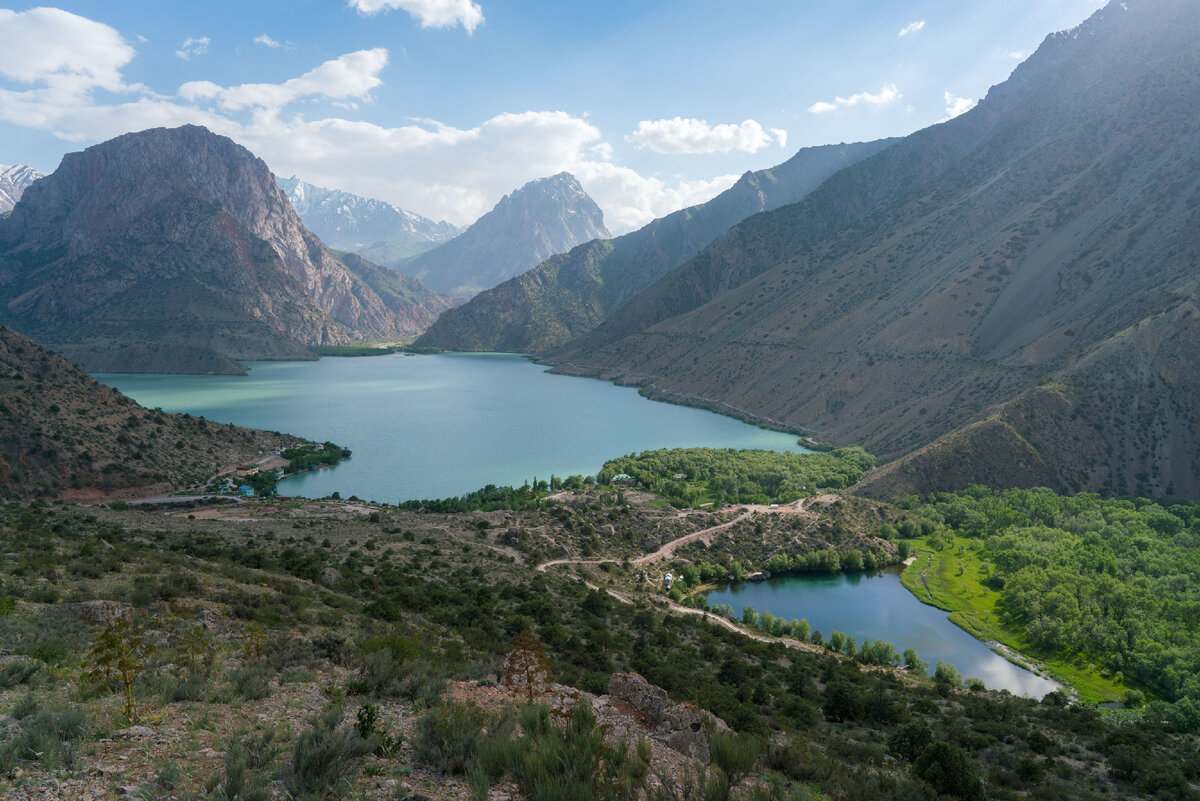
{"x":62,"y":433}
{"x":960,"y":268}
{"x":349,"y":222}
{"x":544,"y":217}
{"x":174,"y":248}
{"x":1122,"y":420}
{"x":570,"y":294}
{"x":13,"y":181}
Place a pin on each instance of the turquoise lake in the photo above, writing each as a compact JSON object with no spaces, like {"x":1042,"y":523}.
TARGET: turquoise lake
{"x":877,"y":606}
{"x":440,"y":426}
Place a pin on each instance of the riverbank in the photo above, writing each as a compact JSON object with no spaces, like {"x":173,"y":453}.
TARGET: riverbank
{"x":952,"y":580}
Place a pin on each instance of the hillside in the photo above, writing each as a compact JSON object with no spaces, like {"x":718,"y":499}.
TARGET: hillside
{"x":570,"y":294}
{"x":399,"y":645}
{"x":347,"y":221}
{"x":175,"y":248}
{"x":543,"y":217}
{"x":962,"y":267}
{"x":62,"y":433}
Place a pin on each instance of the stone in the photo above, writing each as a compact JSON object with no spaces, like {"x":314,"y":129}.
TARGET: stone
{"x":686,"y":728}
{"x":650,"y":701}
{"x":133,"y":733}
{"x":331,"y":577}
{"x":99,"y":613}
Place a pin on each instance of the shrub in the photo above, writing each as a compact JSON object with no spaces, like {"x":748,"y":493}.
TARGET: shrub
{"x":19,"y":671}
{"x":323,"y":758}
{"x":948,"y":770}
{"x":246,"y":775}
{"x":47,"y":736}
{"x":570,"y":762}
{"x":448,"y":736}
{"x":251,"y":682}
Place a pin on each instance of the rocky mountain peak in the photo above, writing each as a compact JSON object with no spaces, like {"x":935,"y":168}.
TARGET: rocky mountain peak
{"x":13,"y":181}
{"x":544,"y":217}
{"x":176,"y":238}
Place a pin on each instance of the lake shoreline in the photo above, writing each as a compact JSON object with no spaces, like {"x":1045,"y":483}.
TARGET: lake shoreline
{"x":989,"y":635}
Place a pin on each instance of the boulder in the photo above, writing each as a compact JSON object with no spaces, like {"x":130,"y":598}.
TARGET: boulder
{"x":650,"y":701}
{"x":683,"y":727}
{"x":687,"y":728}
{"x":98,"y":613}
{"x":331,"y":577}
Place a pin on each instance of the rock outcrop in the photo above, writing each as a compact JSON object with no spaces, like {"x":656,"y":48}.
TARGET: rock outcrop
{"x":684,"y":727}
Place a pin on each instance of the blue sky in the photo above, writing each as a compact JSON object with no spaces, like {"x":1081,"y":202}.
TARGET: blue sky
{"x":444,"y":106}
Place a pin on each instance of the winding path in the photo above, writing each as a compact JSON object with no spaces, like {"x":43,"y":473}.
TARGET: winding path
{"x":667,"y":549}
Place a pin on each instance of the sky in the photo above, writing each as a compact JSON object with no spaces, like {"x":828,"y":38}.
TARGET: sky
{"x":442,"y":107}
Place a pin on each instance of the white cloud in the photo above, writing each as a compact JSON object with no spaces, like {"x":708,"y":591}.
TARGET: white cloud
{"x":351,"y":75}
{"x":193,"y":47}
{"x":264,"y":39}
{"x":886,"y":94}
{"x":956,"y":105}
{"x":1017,"y":54}
{"x":429,"y":13}
{"x":697,"y":136}
{"x":63,"y":51}
{"x":912,"y":27}
{"x":438,"y":170}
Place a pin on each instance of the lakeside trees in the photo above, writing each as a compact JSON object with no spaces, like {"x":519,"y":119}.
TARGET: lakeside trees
{"x":1117,"y":580}
{"x":693,"y":475}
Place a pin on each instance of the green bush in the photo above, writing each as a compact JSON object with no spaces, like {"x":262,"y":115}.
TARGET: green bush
{"x":948,"y":770}
{"x":19,"y":671}
{"x":448,"y":737}
{"x":251,"y":682}
{"x":323,"y":758}
{"x":246,"y":775}
{"x":47,"y":736}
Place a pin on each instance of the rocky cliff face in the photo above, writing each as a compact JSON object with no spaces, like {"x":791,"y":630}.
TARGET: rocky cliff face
{"x":570,"y":294}
{"x":13,"y":181}
{"x":544,"y":217}
{"x":349,"y":222}
{"x":914,"y":294}
{"x":179,"y":237}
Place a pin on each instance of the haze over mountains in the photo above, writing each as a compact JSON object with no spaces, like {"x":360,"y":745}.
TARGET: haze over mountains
{"x":350,"y":222}
{"x":544,"y":217}
{"x":571,"y":293}
{"x":173,"y":250}
{"x":13,"y":180}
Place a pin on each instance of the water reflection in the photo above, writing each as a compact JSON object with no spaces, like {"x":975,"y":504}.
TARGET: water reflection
{"x":877,"y":606}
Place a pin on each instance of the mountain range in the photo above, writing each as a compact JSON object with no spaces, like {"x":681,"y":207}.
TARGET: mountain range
{"x":13,"y":181}
{"x":1009,"y":297}
{"x":173,"y":250}
{"x":569,"y":294}
{"x":544,"y":217}
{"x":350,"y":222}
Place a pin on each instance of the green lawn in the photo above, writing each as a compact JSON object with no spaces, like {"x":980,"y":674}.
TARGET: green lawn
{"x":952,"y":579}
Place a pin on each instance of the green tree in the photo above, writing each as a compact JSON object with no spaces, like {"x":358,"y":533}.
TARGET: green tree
{"x":946,"y":673}
{"x":948,"y":771}
{"x":121,"y":652}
